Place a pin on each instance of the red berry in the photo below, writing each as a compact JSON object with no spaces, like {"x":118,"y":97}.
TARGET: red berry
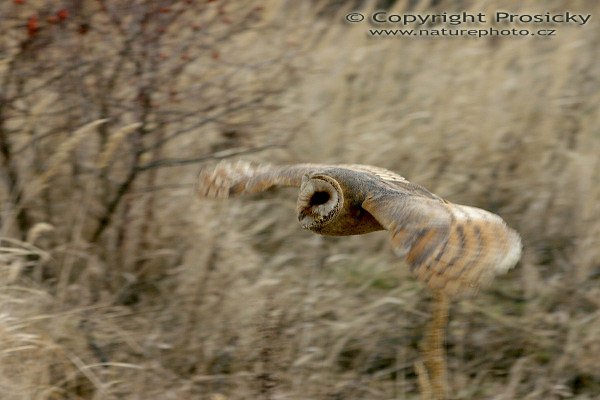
{"x":62,"y":14}
{"x":83,"y":29}
{"x":32,"y":25}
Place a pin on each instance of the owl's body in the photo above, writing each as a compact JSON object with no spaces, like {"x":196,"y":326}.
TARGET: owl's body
{"x":449,"y":247}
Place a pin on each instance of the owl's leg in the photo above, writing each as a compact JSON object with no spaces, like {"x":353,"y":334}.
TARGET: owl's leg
{"x":423,"y":381}
{"x":433,"y":350}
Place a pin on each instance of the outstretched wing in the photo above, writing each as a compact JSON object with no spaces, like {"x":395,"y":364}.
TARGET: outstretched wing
{"x":449,"y":247}
{"x":394,"y":180}
{"x":381,"y":173}
{"x":229,"y":179}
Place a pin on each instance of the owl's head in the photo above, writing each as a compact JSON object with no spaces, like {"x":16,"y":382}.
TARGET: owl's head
{"x":319,"y":202}
{"x":329,"y":203}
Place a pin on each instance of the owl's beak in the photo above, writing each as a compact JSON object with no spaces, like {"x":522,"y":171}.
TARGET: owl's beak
{"x":304,"y":219}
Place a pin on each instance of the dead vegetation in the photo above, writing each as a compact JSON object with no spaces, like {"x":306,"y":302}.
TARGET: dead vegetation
{"x":117,"y":283}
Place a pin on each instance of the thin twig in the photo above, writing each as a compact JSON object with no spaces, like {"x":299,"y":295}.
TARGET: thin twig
{"x":175,"y":162}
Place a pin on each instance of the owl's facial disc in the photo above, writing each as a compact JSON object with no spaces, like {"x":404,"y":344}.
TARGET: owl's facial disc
{"x":319,"y":201}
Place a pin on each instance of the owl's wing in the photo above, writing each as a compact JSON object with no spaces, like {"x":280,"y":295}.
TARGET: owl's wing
{"x":449,"y":247}
{"x":381,"y":173}
{"x":394,"y":180}
{"x":230,"y":179}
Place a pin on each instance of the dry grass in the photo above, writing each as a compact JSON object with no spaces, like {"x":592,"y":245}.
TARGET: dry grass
{"x":232,"y":301}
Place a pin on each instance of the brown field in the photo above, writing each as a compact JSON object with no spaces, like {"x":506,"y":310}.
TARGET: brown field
{"x":116,"y":282}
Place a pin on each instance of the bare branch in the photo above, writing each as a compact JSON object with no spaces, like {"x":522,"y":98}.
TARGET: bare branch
{"x":176,"y":162}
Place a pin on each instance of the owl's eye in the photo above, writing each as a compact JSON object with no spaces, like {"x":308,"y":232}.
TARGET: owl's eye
{"x":319,"y":198}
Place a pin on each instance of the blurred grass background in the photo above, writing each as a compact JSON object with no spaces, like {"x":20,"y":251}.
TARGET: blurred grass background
{"x":116,"y":282}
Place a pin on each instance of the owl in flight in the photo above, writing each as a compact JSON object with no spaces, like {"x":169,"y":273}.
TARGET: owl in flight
{"x":451,"y":248}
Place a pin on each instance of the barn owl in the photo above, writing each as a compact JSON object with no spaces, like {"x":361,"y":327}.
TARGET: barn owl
{"x":451,"y":248}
